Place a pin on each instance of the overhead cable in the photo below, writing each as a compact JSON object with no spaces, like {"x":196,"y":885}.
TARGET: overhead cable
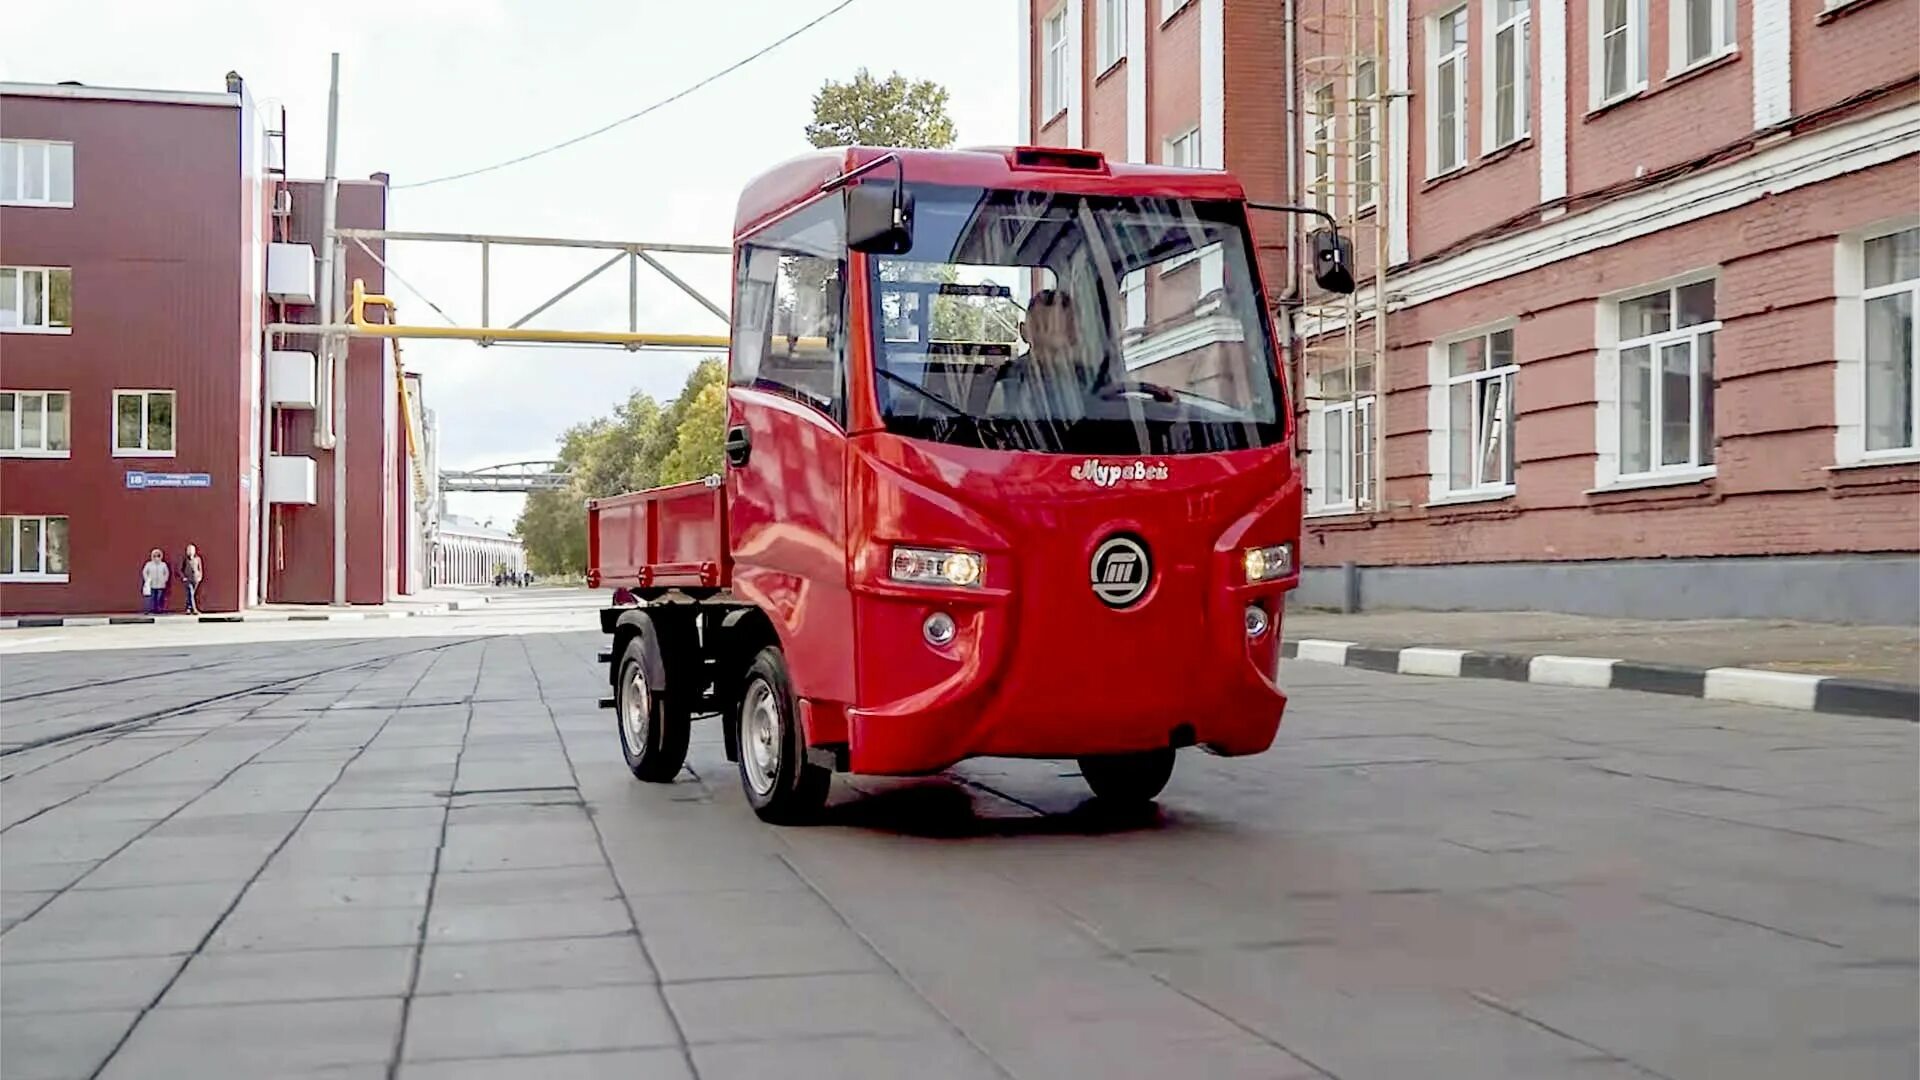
{"x":662,"y":103}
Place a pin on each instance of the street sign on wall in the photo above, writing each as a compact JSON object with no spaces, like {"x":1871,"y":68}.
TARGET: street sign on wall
{"x":137,"y":480}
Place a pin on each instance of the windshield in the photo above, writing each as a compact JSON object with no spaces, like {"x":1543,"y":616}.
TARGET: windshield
{"x":1064,"y":323}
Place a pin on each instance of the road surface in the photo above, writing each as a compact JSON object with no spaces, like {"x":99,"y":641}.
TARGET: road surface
{"x":302,"y":850}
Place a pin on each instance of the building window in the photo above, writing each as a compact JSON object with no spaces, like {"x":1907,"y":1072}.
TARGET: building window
{"x":1366,"y":134}
{"x":1480,"y":376}
{"x":1448,"y":127}
{"x":143,"y":423}
{"x":1666,"y":380}
{"x":1320,"y":141}
{"x":34,"y":172}
{"x":1622,"y":41}
{"x":33,"y":548}
{"x":1170,"y":8}
{"x":1112,"y":19}
{"x":1184,"y":149}
{"x":1053,"y":65}
{"x":1702,"y":31}
{"x":1510,"y":96}
{"x":1341,"y":442}
{"x":33,"y":423}
{"x":1892,"y":298}
{"x":36,"y":299}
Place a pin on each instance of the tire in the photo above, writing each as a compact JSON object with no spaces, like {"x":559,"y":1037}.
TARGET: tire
{"x":1128,"y":778}
{"x":781,"y":785}
{"x":653,"y":733}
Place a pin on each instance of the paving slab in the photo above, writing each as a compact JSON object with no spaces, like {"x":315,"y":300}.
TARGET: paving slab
{"x":586,"y":1065}
{"x":240,"y":978}
{"x":277,"y":1039}
{"x":60,"y":1045}
{"x":521,"y":1022}
{"x":547,"y":963}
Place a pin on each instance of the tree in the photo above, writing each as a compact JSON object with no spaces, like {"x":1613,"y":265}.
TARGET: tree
{"x":612,"y":454}
{"x":697,"y":447}
{"x":875,"y":112}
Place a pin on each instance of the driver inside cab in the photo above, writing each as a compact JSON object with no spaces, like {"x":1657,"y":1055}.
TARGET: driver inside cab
{"x":1055,"y":379}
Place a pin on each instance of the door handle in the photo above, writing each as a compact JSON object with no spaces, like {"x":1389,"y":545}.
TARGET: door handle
{"x":738,"y":446}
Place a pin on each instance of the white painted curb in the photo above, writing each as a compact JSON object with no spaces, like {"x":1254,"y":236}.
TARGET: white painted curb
{"x":1426,"y":661}
{"x":1324,"y":652}
{"x":1584,"y":671}
{"x":1750,"y":686}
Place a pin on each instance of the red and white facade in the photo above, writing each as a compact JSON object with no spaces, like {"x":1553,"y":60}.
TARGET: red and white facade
{"x":146,"y":240}
{"x":1653,"y":271}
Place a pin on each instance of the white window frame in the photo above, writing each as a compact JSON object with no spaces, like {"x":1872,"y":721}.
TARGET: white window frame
{"x":1323,"y":135}
{"x":1170,"y":8}
{"x":1521,"y":27}
{"x":17,"y":314}
{"x":1850,"y":341}
{"x":1437,"y":58}
{"x":1610,"y":470}
{"x":51,"y":151}
{"x":1440,"y":415}
{"x":1053,"y":64}
{"x":1636,"y":46}
{"x":1110,"y":33}
{"x":19,"y":414}
{"x":1366,"y":151}
{"x":9,"y":573}
{"x":1356,"y":481}
{"x":146,"y":405}
{"x":1723,"y":29}
{"x":1182,"y":151}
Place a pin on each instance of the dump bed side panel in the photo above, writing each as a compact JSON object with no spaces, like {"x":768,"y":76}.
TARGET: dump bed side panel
{"x":661,"y":537}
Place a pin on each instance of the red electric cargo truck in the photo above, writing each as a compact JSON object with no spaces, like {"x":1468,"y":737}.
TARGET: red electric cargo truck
{"x":1009,"y":472}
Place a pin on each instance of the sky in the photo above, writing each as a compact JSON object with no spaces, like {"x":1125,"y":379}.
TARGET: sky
{"x":434,"y":87}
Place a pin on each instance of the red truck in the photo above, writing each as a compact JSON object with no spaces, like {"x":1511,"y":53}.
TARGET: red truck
{"x":1009,"y":472}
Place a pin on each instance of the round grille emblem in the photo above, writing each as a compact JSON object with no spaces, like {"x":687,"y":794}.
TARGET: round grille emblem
{"x":1122,"y":570}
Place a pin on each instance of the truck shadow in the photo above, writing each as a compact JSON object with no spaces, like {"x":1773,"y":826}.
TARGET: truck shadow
{"x":946,"y":809}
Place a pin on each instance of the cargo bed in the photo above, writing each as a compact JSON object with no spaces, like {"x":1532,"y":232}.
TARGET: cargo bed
{"x":661,"y":538}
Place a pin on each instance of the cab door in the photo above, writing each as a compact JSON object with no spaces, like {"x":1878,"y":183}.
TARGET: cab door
{"x":786,"y":443}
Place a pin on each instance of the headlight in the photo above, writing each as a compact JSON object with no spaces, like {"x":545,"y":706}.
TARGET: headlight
{"x":926,"y":566}
{"x":1267,"y":563}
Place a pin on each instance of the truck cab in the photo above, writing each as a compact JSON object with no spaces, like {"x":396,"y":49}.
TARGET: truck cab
{"x":1010,"y":472}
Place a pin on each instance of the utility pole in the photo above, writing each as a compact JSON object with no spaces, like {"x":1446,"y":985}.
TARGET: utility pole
{"x":333,"y":347}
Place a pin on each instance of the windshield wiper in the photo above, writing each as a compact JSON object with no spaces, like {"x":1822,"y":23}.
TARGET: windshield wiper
{"x":980,"y":430}
{"x":923,"y":392}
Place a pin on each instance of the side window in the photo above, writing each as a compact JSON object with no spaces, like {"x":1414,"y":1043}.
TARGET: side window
{"x":790,"y":303}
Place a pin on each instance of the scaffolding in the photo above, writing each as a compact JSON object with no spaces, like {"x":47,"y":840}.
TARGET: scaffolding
{"x":1341,"y":115}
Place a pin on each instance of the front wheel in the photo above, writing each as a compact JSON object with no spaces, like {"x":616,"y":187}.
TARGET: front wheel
{"x":1128,"y":778}
{"x":653,"y":735}
{"x":781,"y":785}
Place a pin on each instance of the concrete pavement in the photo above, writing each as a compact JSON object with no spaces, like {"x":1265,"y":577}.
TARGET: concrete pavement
{"x":423,"y":857}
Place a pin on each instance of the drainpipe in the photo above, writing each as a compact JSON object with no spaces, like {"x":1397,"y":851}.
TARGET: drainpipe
{"x":324,"y":436}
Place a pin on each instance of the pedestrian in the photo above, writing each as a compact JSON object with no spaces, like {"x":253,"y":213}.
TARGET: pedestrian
{"x":190,"y":574}
{"x":153,"y":582}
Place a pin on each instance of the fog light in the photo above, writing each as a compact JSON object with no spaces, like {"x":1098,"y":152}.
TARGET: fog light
{"x":1256,"y":620}
{"x":938,"y":628}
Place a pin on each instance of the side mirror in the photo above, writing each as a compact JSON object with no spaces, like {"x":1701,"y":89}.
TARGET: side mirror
{"x":1332,"y":261}
{"x":879,"y":218}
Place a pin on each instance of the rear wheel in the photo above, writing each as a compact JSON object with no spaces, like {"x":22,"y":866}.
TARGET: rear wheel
{"x":781,"y":785}
{"x":653,"y":735}
{"x":1128,"y":778}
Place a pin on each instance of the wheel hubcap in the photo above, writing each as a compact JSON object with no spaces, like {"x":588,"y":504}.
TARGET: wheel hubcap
{"x":760,"y":737}
{"x":635,"y":706}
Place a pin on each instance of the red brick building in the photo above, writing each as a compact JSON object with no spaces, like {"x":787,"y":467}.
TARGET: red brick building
{"x":146,"y":239}
{"x":1644,"y":343}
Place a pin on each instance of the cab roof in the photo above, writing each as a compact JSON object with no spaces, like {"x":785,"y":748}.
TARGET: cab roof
{"x":1036,"y":168}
